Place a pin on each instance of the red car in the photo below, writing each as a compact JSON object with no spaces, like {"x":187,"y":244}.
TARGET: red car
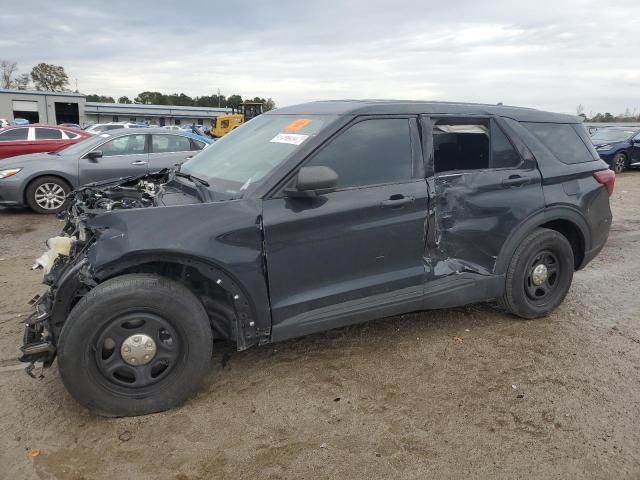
{"x":23,"y":139}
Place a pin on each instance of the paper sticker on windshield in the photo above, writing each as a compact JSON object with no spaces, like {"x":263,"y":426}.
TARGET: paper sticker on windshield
{"x":297,"y":125}
{"x":290,"y":138}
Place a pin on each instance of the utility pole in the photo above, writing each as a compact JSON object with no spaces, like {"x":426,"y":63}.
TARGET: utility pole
{"x":218,"y":98}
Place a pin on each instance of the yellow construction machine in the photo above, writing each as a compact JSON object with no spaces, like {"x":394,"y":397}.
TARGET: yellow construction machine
{"x":223,"y":124}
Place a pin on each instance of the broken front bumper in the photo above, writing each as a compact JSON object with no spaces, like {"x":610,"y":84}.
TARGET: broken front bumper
{"x":37,"y":342}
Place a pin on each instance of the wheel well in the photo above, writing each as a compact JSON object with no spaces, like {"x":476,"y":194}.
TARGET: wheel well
{"x":24,"y":193}
{"x":573,"y":234}
{"x":217,"y":301}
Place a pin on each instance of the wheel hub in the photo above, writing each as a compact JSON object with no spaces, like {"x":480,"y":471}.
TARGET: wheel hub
{"x":540,"y":274}
{"x":138,"y":349}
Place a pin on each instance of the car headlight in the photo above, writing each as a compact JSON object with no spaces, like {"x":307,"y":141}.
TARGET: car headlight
{"x":604,"y":147}
{"x":9,"y":172}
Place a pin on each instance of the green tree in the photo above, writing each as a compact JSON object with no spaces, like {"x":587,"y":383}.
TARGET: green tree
{"x":100,"y":98}
{"x":233,"y":101}
{"x":151,"y":98}
{"x":124,"y":99}
{"x":49,"y":77}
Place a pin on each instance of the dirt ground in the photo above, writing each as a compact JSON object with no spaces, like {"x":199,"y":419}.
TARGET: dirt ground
{"x":397,"y":398}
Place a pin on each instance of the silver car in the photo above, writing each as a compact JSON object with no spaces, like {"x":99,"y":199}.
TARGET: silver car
{"x":43,"y":180}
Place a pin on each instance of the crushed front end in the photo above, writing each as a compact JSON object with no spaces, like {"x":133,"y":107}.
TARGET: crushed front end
{"x":67,"y":270}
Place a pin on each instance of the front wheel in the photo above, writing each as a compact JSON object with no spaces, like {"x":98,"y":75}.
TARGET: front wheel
{"x":619,"y":163}
{"x":539,"y":274}
{"x":136,"y":344}
{"x":47,"y":194}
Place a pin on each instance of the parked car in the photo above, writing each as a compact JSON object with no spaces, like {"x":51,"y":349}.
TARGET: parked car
{"x":43,"y":181}
{"x":21,"y":121}
{"x":21,"y":140}
{"x":618,"y":146}
{"x":107,"y":127}
{"x":308,"y":218}
{"x":71,"y":125}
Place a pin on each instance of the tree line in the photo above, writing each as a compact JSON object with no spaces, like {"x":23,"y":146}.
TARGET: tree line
{"x":181,"y":99}
{"x":53,"y":78}
{"x":629,"y":116}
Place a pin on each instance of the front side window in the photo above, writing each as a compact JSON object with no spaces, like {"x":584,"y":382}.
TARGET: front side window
{"x":14,"y":135}
{"x":561,"y":140}
{"x":125,"y":145}
{"x":169,"y":143}
{"x":48,"y":134}
{"x":371,"y":152}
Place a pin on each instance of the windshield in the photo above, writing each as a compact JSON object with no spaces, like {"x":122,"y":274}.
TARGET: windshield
{"x":612,"y":135}
{"x":84,"y":145}
{"x":249,"y":153}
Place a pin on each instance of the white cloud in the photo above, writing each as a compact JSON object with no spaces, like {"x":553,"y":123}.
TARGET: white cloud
{"x":550,"y":55}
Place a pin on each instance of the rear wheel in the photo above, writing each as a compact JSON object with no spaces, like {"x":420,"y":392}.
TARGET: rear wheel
{"x":539,"y":275}
{"x":47,"y":194}
{"x":136,"y":344}
{"x":619,"y":162}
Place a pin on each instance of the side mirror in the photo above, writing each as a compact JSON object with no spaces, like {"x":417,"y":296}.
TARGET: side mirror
{"x":313,"y":181}
{"x":635,"y":140}
{"x":95,"y":155}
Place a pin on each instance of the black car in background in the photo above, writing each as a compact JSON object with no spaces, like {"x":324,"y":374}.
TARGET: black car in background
{"x":309,"y":218}
{"x":618,"y":146}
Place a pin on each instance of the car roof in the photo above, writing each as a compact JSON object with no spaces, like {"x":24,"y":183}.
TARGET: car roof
{"x":164,"y":131}
{"x":390,"y":107}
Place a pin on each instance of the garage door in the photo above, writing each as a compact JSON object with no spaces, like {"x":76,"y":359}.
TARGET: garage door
{"x":25,"y":106}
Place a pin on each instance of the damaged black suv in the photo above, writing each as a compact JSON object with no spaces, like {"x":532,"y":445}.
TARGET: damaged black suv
{"x":309,"y":218}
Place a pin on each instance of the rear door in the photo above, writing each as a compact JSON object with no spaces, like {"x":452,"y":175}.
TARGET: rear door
{"x":167,"y":150}
{"x":356,"y":253}
{"x":483,"y":188}
{"x":122,"y":156}
{"x":48,"y":140}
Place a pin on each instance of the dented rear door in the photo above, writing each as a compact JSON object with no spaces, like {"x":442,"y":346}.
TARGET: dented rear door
{"x":481,"y":187}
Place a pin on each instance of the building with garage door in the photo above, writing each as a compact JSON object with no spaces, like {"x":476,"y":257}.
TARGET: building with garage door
{"x":54,"y":108}
{"x":42,"y":107}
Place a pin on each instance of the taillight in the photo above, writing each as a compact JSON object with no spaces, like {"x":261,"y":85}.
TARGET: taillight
{"x":606,"y":178}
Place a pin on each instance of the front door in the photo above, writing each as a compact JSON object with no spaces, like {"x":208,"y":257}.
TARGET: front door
{"x":483,"y":188}
{"x":356,"y":253}
{"x":122,"y":156}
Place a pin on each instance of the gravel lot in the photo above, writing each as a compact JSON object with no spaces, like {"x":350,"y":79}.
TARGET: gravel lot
{"x":397,"y":398}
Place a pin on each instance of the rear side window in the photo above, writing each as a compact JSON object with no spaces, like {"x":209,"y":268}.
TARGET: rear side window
{"x":197,"y":144}
{"x":169,"y":143}
{"x":370,"y":152}
{"x":15,"y":134}
{"x":48,"y":134}
{"x":471,"y":144}
{"x":561,"y":140}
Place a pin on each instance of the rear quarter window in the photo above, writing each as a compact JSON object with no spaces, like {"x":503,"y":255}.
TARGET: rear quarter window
{"x":562,"y":140}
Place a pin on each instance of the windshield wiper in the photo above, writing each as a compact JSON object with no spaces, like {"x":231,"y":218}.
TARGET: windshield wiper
{"x":193,"y":178}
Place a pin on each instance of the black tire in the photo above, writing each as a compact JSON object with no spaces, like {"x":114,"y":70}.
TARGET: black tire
{"x":619,"y":163}
{"x":92,"y":343}
{"x":523,"y":296}
{"x":38,"y":189}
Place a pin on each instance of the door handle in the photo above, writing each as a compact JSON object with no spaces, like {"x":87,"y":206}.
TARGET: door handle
{"x":139,"y":162}
{"x":514,"y":181}
{"x":398,"y":200}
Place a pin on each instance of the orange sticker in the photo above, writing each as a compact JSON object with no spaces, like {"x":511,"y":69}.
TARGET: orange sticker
{"x":297,"y":125}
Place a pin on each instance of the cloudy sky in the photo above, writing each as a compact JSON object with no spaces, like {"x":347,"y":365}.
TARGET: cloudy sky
{"x":546,"y":54}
